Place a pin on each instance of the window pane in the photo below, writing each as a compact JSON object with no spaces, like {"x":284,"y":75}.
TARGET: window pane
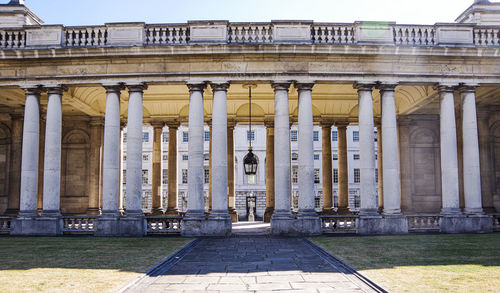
{"x":293,"y":135}
{"x":206,"y":175}
{"x":184,"y":176}
{"x":316,"y":175}
{"x":355,"y":156}
{"x":165,"y":137}
{"x":335,"y":156}
{"x":315,"y":135}
{"x":316,"y":157}
{"x":250,"y":135}
{"x":185,"y":157}
{"x":334,"y":135}
{"x":335,"y":175}
{"x":357,"y":176}
{"x":144,"y":176}
{"x":185,"y":136}
{"x":165,"y":176}
{"x":207,"y":136}
{"x":355,"y":136}
{"x":145,"y":137}
{"x":295,"y":175}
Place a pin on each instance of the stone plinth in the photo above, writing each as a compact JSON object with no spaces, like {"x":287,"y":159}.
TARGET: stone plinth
{"x":387,"y":224}
{"x":37,"y":226}
{"x":460,"y":223}
{"x":303,"y":226}
{"x":123,"y":226}
{"x":213,"y":227}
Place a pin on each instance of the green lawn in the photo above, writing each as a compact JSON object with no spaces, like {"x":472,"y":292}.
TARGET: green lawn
{"x":78,"y":264}
{"x":423,"y":263}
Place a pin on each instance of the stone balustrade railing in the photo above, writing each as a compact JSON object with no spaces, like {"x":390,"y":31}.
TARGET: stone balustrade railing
{"x":79,"y":225}
{"x":276,"y":32}
{"x":5,"y":225}
{"x":423,"y":223}
{"x":496,"y":222}
{"x":163,"y":225}
{"x":339,"y":224}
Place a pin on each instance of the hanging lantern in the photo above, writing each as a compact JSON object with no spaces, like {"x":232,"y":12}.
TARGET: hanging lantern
{"x":250,"y":161}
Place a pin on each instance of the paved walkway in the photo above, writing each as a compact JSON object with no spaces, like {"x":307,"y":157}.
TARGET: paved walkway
{"x":252,"y":264}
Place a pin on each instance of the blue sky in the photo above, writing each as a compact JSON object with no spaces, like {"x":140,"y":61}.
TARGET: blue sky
{"x":86,"y":12}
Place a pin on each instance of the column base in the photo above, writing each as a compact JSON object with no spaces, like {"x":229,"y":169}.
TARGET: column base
{"x":157,"y":212}
{"x":115,"y":226}
{"x":37,"y":226}
{"x":328,"y":211}
{"x":343,"y":211}
{"x":172,"y":212}
{"x":461,"y":223}
{"x":386,"y":224}
{"x":268,"y":213}
{"x":302,"y":226}
{"x":93,"y":212}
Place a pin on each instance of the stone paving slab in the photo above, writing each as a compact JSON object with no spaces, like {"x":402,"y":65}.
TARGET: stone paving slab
{"x":252,"y":264}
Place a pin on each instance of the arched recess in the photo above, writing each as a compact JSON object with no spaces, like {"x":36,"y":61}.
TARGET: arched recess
{"x":257,"y":110}
{"x":75,"y":172}
{"x":5,"y":144}
{"x":425,"y":170}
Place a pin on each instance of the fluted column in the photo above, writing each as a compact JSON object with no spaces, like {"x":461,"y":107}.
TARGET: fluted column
{"x":472,"y":171}
{"x":343,"y":171}
{"x":15,"y":165}
{"x":172,"y":205}
{"x":196,"y":209}
{"x":367,"y":150}
{"x":390,"y":156}
{"x":111,"y":153}
{"x":269,"y":171}
{"x":29,"y":162}
{"x":156,"y":187}
{"x":218,"y":171}
{"x":231,"y":204}
{"x":449,"y":162}
{"x":306,"y":150}
{"x":326,"y":162}
{"x":133,"y":204}
{"x":282,"y":152}
{"x":94,"y":165}
{"x":52,"y":162}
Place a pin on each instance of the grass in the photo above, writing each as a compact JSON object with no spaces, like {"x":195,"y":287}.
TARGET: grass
{"x":78,"y":264}
{"x":423,"y":263}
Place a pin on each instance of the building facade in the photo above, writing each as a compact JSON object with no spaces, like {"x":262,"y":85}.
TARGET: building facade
{"x":421,"y":102}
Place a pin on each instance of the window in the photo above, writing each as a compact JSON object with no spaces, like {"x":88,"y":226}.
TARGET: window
{"x":335,"y":136}
{"x":206,"y":136}
{"x":317,"y":202}
{"x":295,"y":175}
{"x":206,"y":176}
{"x":335,"y":156}
{"x":206,"y":157}
{"x":335,"y":175}
{"x":375,"y":135}
{"x":357,"y":175}
{"x":145,"y":137}
{"x":316,"y":175}
{"x":315,"y":135}
{"x":250,"y":135}
{"x":165,"y":157}
{"x":376,"y":156}
{"x":316,"y":157}
{"x":376,"y":175}
{"x":145,"y":157}
{"x":164,"y":138}
{"x":185,"y":157}
{"x":165,"y":176}
{"x":124,"y":157}
{"x":144,"y":176}
{"x":124,"y":180}
{"x":355,"y":156}
{"x":293,"y":135}
{"x":124,"y":137}
{"x":295,"y":156}
{"x":355,"y":136}
{"x":184,"y":176}
{"x":185,"y":136}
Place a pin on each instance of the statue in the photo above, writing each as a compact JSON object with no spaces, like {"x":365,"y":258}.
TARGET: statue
{"x":16,"y":2}
{"x":482,"y":2}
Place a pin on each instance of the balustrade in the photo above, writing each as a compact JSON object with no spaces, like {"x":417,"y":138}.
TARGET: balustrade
{"x":85,"y":36}
{"x":12,"y":39}
{"x":496,"y":222}
{"x":406,"y":35}
{"x":163,"y":225}
{"x":487,"y":36}
{"x":250,"y":33}
{"x":339,"y":224}
{"x":5,"y":225}
{"x":78,"y":225}
{"x":333,"y":34}
{"x":166,"y":35}
{"x":423,"y":223}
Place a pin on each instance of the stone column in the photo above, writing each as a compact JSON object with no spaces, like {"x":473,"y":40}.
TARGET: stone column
{"x":343,"y":171}
{"x":367,"y":150}
{"x":281,"y":221}
{"x":172,"y":203}
{"x":26,"y":223}
{"x":196,"y":210}
{"x":94,"y":165}
{"x":52,"y":162}
{"x":111,"y":162}
{"x":269,"y":171}
{"x":220,"y":221}
{"x":326,"y":162}
{"x":405,"y":164}
{"x":486,"y":163}
{"x":471,"y":168}
{"x":29,"y":162}
{"x":209,"y":163}
{"x":157,"y":193}
{"x":449,"y":163}
{"x":15,"y":165}
{"x":380,"y":182}
{"x":41,"y":158}
{"x":230,"y":172}
{"x":121,"y":198}
{"x":133,"y":204}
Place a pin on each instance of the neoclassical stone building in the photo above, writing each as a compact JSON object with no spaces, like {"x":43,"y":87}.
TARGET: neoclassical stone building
{"x":67,"y":92}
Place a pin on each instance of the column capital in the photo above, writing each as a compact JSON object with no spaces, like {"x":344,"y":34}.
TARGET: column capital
{"x":328,"y":123}
{"x":196,"y":86}
{"x":467,"y":88}
{"x":341,"y":124}
{"x":304,"y":85}
{"x":444,"y":88}
{"x":157,"y":123}
{"x":219,"y":86}
{"x":56,"y":90}
{"x":137,"y":88}
{"x":113,"y":88}
{"x":172,"y":123}
{"x":280,"y":85}
{"x":363,"y":86}
{"x":33,"y":90}
{"x":387,"y":87}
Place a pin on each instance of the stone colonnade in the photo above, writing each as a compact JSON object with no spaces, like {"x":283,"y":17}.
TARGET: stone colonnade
{"x":278,"y":211}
